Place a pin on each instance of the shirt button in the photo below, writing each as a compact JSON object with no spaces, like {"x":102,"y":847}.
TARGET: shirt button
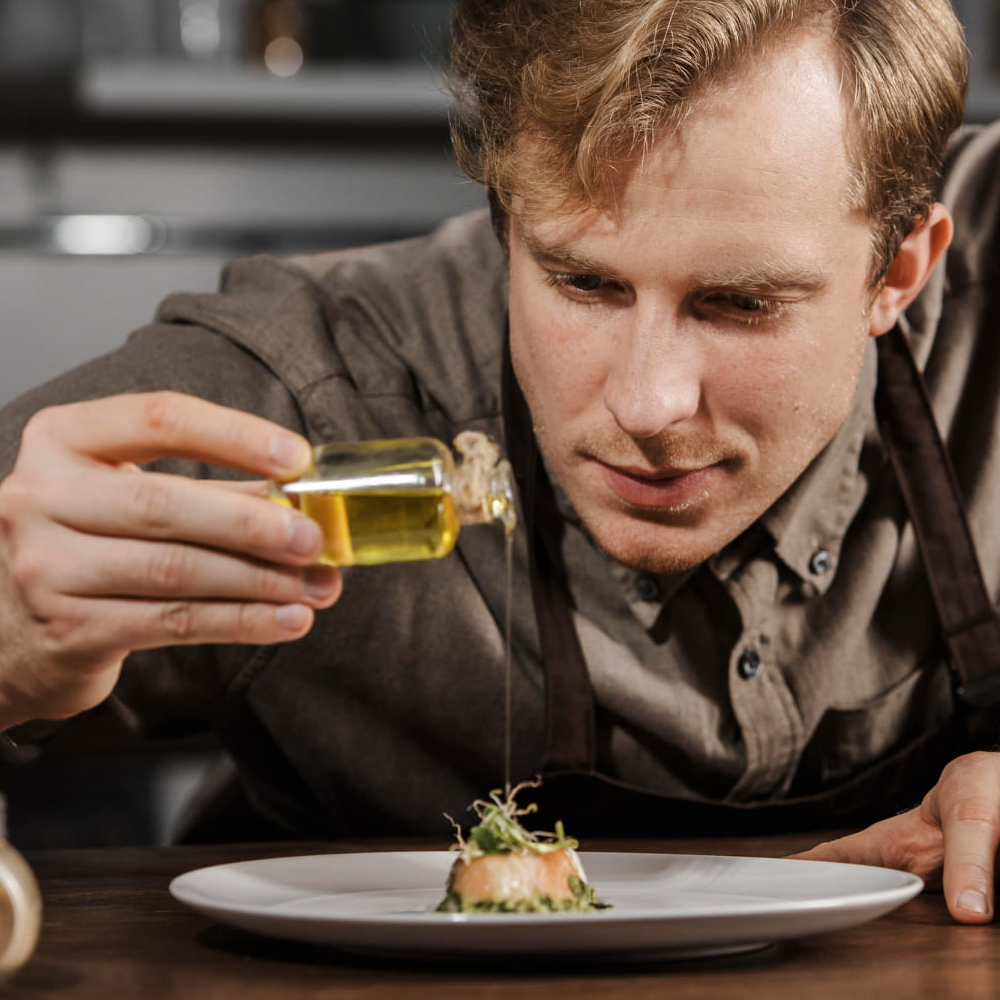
{"x":749,"y":665}
{"x":820,"y":562}
{"x":647,"y":588}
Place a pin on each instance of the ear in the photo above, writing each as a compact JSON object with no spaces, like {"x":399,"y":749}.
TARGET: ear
{"x":910,"y":269}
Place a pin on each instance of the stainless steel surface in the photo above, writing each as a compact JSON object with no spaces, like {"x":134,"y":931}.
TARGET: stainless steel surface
{"x":343,"y":94}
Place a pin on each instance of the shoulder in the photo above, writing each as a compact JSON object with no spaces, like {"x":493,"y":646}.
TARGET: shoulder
{"x":461,"y":248}
{"x":971,"y":190}
{"x":958,"y":300}
{"x":436,"y":304}
{"x":420,"y":319}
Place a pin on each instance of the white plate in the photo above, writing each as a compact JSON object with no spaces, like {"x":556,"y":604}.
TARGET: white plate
{"x":663,"y":905}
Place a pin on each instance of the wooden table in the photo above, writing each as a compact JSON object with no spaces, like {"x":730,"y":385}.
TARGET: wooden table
{"x":111,"y":930}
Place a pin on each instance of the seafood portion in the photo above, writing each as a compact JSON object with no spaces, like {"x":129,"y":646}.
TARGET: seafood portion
{"x":504,"y":868}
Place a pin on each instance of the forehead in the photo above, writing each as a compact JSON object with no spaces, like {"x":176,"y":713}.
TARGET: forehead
{"x":766,"y":147}
{"x":785,"y":114}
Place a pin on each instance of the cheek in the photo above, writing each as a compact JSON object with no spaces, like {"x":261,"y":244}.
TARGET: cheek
{"x":805,"y":395}
{"x":828,"y":375}
{"x":558,"y":365}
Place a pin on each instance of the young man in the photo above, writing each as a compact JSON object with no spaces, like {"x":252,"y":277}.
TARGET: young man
{"x":708,"y":214}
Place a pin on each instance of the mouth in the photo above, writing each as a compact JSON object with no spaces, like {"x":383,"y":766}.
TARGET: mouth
{"x":659,"y":488}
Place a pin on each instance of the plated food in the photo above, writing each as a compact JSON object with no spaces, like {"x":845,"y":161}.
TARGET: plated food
{"x":504,"y":868}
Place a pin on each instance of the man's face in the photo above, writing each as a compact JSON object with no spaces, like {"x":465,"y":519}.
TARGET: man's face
{"x":686,"y":351}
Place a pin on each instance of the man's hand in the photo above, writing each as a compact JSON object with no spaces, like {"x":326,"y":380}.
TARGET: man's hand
{"x":949,"y":839}
{"x":98,"y":558}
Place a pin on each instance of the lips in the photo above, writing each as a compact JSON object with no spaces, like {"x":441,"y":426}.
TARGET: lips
{"x":663,"y":488}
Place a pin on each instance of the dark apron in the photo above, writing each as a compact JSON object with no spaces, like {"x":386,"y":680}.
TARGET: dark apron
{"x":594,"y":804}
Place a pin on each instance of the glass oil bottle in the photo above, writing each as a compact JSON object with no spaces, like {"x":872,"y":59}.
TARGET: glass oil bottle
{"x":401,"y":499}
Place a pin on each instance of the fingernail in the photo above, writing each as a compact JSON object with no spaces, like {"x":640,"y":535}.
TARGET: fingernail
{"x":974,"y":901}
{"x":293,"y":617}
{"x":288,"y":452}
{"x":319,"y":581}
{"x":304,"y":536}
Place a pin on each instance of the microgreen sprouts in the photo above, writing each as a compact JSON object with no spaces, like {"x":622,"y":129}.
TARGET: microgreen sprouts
{"x":500,"y":831}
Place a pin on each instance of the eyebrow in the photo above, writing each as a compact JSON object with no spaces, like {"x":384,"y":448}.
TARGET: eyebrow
{"x":766,"y":277}
{"x":770,"y":276}
{"x":564,"y":256}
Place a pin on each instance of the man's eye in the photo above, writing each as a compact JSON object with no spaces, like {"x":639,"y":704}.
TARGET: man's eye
{"x":749,"y":309}
{"x":751,"y":303}
{"x":576,"y":282}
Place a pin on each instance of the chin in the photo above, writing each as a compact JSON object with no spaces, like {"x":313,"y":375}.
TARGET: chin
{"x":649,"y":561}
{"x":646,"y":553}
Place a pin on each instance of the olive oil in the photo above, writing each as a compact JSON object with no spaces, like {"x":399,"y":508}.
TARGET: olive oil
{"x":401,"y":499}
{"x":508,"y":668}
{"x":362,"y":529}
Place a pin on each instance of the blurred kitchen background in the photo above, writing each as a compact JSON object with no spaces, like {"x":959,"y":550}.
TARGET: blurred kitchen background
{"x":145,"y":142}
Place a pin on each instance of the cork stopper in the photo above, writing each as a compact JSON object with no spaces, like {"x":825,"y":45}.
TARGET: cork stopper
{"x":482,"y":487}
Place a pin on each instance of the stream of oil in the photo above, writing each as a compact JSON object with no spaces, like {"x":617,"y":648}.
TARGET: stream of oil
{"x":507,"y":659}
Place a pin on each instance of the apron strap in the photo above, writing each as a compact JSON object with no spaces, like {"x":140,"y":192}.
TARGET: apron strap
{"x":969,"y":623}
{"x":570,"y":712}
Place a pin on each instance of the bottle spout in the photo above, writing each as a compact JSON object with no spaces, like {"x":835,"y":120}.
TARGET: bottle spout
{"x":501,"y":496}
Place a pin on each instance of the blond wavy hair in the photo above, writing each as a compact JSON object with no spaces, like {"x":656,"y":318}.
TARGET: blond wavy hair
{"x":595,"y":82}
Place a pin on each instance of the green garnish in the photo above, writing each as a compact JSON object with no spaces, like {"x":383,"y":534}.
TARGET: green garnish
{"x":582,"y":900}
{"x":499,"y":830}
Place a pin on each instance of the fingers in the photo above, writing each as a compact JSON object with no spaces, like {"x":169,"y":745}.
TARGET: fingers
{"x":908,"y":842}
{"x":151,"y":624}
{"x":145,"y":426}
{"x":76,"y":469}
{"x":88,"y":566}
{"x":80,"y":668}
{"x":966,"y":804}
{"x":128,"y":503}
{"x":863,"y":848}
{"x":101,"y":598}
{"x":94,"y":599}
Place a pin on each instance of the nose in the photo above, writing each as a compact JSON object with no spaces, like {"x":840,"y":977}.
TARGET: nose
{"x":654,"y":377}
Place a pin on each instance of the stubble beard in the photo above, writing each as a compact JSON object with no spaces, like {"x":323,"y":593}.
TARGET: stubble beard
{"x":616,"y":526}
